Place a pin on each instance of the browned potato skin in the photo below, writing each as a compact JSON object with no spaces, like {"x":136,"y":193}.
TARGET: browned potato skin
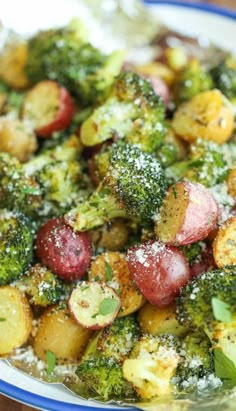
{"x":207,"y":115}
{"x":231,"y":182}
{"x":224,"y":245}
{"x":112,"y":236}
{"x":15,"y":309}
{"x":131,"y":299}
{"x":13,"y":62}
{"x":16,"y":139}
{"x":60,"y":334}
{"x":156,"y":321}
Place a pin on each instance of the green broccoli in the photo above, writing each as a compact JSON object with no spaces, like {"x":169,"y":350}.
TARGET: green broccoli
{"x":135,"y":189}
{"x":196,"y":361}
{"x":16,"y":246}
{"x":10,"y":100}
{"x":116,"y":340}
{"x":224,"y":77}
{"x":104,"y":377}
{"x":41,"y":285}
{"x":18,"y":191}
{"x":151,"y":366}
{"x":192,"y":80}
{"x":209,"y":303}
{"x":132,"y":112}
{"x":206,"y":165}
{"x":64,"y":55}
{"x":172,"y":149}
{"x":58,"y":174}
{"x":100,"y":367}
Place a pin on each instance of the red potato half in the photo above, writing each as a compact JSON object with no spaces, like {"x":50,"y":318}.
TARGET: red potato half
{"x":66,"y":253}
{"x":159,"y":271}
{"x":188,"y":214}
{"x":49,"y":106}
{"x":94,"y":305}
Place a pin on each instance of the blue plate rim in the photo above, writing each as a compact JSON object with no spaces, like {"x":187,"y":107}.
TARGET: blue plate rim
{"x":49,"y":404}
{"x":209,"y":8}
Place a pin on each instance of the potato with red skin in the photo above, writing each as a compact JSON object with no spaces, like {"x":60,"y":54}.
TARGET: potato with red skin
{"x":205,"y":262}
{"x":188,"y":214}
{"x":66,"y":253}
{"x":159,"y":271}
{"x":49,"y":106}
{"x":94,"y":305}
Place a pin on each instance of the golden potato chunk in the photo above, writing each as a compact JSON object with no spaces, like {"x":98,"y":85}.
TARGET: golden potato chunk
{"x":231,"y":182}
{"x":60,"y":334}
{"x":15,"y":319}
{"x":113,"y":269}
{"x":207,"y":115}
{"x":112,"y":236}
{"x":156,"y":321}
{"x":13,"y":60}
{"x":16,"y":139}
{"x":224,"y":246}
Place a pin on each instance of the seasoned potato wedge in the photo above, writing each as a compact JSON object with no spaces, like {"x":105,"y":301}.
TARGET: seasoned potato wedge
{"x":112,"y":268}
{"x":112,"y":236}
{"x":208,"y":115}
{"x":17,"y":139}
{"x":231,"y":182}
{"x":156,"y":321}
{"x":188,"y":214}
{"x":224,"y":246}
{"x":13,"y":61}
{"x":60,"y":334}
{"x":15,"y":319}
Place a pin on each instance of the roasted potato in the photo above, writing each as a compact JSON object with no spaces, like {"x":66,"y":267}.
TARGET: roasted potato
{"x":60,"y":334}
{"x":224,"y":245}
{"x":156,"y":321}
{"x":207,"y":115}
{"x":13,"y":60}
{"x":231,"y":182}
{"x":188,"y":214}
{"x":17,"y":139}
{"x":112,"y":236}
{"x":15,"y":319}
{"x":113,"y":269}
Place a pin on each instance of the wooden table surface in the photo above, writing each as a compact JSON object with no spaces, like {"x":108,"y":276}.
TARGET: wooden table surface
{"x":9,"y":405}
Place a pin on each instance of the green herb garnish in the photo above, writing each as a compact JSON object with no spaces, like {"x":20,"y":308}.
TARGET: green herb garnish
{"x":2,"y":319}
{"x":224,"y":367}
{"x":51,"y":362}
{"x":108,"y":306}
{"x":108,"y":272}
{"x":221,"y":310}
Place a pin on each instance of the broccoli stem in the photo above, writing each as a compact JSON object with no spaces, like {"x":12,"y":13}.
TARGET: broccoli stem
{"x":100,"y":208}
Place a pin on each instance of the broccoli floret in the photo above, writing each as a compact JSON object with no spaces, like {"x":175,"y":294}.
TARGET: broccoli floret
{"x":136,"y":186}
{"x":62,"y":55}
{"x":41,"y":285}
{"x":16,"y":246}
{"x":196,"y":360}
{"x":192,"y":80}
{"x":224,"y":76}
{"x":117,"y":340}
{"x":58,"y":174}
{"x":172,"y":150}
{"x":193,"y":251}
{"x":206,"y":165}
{"x":151,"y":366}
{"x":209,"y":303}
{"x":18,"y":191}
{"x":104,"y":377}
{"x":132,"y":112}
{"x":100,"y":367}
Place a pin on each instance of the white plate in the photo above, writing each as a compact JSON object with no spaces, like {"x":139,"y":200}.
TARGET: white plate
{"x":218,"y":25}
